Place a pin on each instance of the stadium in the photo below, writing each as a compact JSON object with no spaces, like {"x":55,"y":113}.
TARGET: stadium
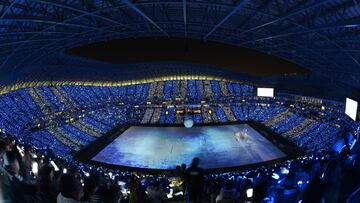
{"x":179,"y":101}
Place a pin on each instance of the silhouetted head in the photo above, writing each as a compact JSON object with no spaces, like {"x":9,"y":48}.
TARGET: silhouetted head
{"x":46,"y":172}
{"x":195,"y":162}
{"x":70,"y":187}
{"x":229,"y":184}
{"x":89,"y":186}
{"x":183,"y":167}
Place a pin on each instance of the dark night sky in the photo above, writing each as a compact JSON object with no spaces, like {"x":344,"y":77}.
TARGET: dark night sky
{"x":230,"y":57}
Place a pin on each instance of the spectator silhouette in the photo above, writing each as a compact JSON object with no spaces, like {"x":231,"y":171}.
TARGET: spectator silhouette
{"x":227,"y":193}
{"x":3,"y":147}
{"x":89,"y":189}
{"x":45,"y":184}
{"x":194,"y":178}
{"x":70,"y":189}
{"x":15,"y":189}
{"x":155,"y":193}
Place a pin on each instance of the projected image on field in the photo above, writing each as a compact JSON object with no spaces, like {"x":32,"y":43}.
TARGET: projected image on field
{"x":166,"y":147}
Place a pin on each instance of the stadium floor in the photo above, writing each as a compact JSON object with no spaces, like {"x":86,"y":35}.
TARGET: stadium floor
{"x":165,"y":147}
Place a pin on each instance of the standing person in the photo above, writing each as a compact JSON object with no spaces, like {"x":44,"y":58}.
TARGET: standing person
{"x":227,"y":193}
{"x":137,"y":192}
{"x":14,"y":188}
{"x":70,"y":189}
{"x":155,"y":193}
{"x":89,"y":189}
{"x":3,"y":147}
{"x":45,"y":183}
{"x":183,"y":171}
{"x":194,"y":179}
{"x":25,"y":163}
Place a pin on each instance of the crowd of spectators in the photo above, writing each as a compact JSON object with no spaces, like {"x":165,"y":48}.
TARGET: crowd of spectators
{"x":74,"y":129}
{"x":24,"y":106}
{"x":29,"y":175}
{"x":68,"y":117}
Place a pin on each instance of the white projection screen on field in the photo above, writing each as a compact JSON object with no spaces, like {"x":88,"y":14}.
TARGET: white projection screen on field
{"x":351,"y":108}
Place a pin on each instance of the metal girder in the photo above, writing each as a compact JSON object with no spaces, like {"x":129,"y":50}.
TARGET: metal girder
{"x":309,"y":30}
{"x":184,"y":11}
{"x":235,"y":10}
{"x":315,"y":30}
{"x":48,"y":28}
{"x":136,"y":9}
{"x":69,"y":37}
{"x":287,"y":16}
{"x":298,"y":31}
{"x":8,"y":9}
{"x":81,"y":11}
{"x":47,"y":21}
{"x":306,"y":50}
{"x":322,"y":14}
{"x":337,"y":25}
{"x":26,"y":41}
{"x":184,"y":15}
{"x":17,"y":33}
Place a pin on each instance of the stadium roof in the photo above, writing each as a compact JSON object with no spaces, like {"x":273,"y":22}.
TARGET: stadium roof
{"x":321,"y":35}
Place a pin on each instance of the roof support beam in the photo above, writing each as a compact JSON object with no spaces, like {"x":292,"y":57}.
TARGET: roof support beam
{"x":18,"y":33}
{"x":184,"y":11}
{"x":72,"y":42}
{"x":54,"y":23}
{"x":338,"y":25}
{"x":185,"y":16}
{"x":27,"y":41}
{"x":80,"y":11}
{"x":50,"y":27}
{"x":285,"y":17}
{"x":8,"y":9}
{"x":137,"y":10}
{"x":235,"y":10}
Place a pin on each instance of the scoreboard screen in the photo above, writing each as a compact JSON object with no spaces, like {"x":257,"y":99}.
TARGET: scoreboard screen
{"x":265,"y":92}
